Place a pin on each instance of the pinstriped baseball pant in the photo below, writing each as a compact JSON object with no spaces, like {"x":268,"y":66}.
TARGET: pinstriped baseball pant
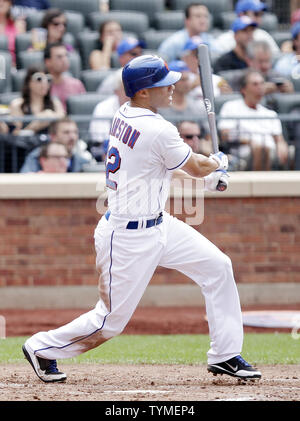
{"x":127,"y":260}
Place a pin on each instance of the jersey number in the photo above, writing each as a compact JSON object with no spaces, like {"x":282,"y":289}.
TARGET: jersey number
{"x":112,"y":165}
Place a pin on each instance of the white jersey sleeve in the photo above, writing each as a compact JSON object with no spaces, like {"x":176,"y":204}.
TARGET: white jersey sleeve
{"x":170,"y":148}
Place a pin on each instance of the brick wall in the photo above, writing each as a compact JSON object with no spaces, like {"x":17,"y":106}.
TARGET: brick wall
{"x":50,"y":241}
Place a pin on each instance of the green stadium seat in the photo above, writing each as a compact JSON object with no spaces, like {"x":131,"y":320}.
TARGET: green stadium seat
{"x":149,"y":7}
{"x":170,"y":20}
{"x":3,"y":43}
{"x":85,"y":7}
{"x":17,"y":79}
{"x":5,"y":71}
{"x":135,"y":22}
{"x":154,"y":38}
{"x":92,"y":78}
{"x":281,"y":36}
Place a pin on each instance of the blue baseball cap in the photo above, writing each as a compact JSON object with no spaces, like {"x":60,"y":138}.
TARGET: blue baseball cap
{"x":241,"y":23}
{"x":128,"y":44}
{"x":193,"y":43}
{"x":178,"y":66}
{"x":295,"y":30}
{"x":249,"y":5}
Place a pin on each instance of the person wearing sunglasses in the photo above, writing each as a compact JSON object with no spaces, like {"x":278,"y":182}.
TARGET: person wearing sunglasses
{"x":36,"y":100}
{"x":255,"y":10}
{"x":53,"y":29}
{"x":191,"y":133}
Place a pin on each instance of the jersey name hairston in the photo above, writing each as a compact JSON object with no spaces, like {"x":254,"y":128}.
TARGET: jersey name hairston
{"x":124,"y":132}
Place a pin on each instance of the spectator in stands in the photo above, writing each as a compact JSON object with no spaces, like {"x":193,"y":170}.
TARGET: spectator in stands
{"x":184,"y":106}
{"x":237,"y":58}
{"x":127,"y":49}
{"x":191,"y":133}
{"x":260,"y":59}
{"x":106,"y":109}
{"x":262,"y":143}
{"x":57,"y":63}
{"x":254,"y":9}
{"x":288,"y":65}
{"x":110,"y":35}
{"x":54,"y":22}
{"x":64,"y":131}
{"x":10,"y":26}
{"x":36,"y":100}
{"x":189,"y":56}
{"x":53,"y":158}
{"x":197,"y":22}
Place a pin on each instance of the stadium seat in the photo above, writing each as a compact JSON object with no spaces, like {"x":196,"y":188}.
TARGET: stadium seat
{"x":84,"y":7}
{"x":281,"y":36}
{"x":154,"y":38}
{"x":87,"y":42}
{"x":170,"y":20}
{"x":5,"y":71}
{"x":285,"y":103}
{"x":17,"y":80}
{"x":269,"y":21}
{"x":92,"y":78}
{"x":7,"y":97}
{"x":233,"y":78}
{"x":296,"y":83}
{"x":215,"y":7}
{"x":135,"y":22}
{"x":221,"y":99}
{"x":3,"y":43}
{"x":150,"y":7}
{"x":83,"y":105}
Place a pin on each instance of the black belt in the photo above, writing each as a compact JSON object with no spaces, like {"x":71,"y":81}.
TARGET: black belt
{"x":133,"y":225}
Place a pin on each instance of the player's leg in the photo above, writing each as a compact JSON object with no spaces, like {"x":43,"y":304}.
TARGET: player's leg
{"x":192,"y":254}
{"x":127,"y":260}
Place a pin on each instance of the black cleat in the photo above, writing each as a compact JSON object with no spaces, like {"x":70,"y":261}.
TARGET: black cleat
{"x":235,"y":367}
{"x":46,"y":370}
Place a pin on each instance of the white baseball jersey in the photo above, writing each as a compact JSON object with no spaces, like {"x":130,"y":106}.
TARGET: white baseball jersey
{"x":143,"y":151}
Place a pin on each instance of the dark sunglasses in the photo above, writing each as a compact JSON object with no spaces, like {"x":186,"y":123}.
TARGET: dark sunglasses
{"x":59,"y":23}
{"x":190,"y":136}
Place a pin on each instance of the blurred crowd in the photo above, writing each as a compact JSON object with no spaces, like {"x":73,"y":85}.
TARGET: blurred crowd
{"x":60,"y":61}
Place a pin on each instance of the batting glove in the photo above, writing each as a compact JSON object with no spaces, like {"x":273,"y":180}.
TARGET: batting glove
{"x":221,"y":160}
{"x":211,"y":181}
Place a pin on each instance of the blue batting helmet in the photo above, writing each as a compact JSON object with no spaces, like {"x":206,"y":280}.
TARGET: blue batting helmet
{"x":147,"y":71}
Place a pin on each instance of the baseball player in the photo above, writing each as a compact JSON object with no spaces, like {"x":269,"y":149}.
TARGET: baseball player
{"x":136,"y":235}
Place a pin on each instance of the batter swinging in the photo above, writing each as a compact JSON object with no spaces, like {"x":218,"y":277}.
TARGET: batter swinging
{"x":136,"y":235}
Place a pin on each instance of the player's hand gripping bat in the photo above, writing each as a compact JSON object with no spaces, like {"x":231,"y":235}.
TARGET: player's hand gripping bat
{"x":208,"y":96}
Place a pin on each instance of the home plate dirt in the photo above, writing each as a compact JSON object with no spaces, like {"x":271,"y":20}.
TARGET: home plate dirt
{"x":96,"y":382}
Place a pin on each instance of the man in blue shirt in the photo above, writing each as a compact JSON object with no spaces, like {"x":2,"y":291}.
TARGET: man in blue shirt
{"x":197,"y":21}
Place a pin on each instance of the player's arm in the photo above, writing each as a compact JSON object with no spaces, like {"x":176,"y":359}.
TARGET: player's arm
{"x":200,"y":165}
